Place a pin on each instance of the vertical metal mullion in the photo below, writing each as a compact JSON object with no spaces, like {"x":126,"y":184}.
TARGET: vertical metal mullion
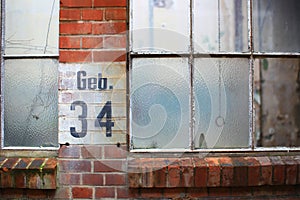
{"x":2,"y":2}
{"x":251,"y":71}
{"x":191,"y":67}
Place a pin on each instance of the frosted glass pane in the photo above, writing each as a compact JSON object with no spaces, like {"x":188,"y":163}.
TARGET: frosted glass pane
{"x":233,"y":26}
{"x":221,"y":100}
{"x":160,"y":25}
{"x":30,"y":102}
{"x":159,"y":105}
{"x":276,"y":25}
{"x":31,"y":26}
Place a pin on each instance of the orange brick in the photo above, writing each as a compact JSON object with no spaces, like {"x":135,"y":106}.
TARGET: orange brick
{"x":75,"y":3}
{"x":75,"y":28}
{"x":109,"y":3}
{"x":70,"y":14}
{"x":67,"y":42}
{"x":92,"y":14}
{"x":75,"y":56}
{"x":109,"y":28}
{"x":115,"y":14}
{"x":82,"y":192}
{"x":92,"y":42}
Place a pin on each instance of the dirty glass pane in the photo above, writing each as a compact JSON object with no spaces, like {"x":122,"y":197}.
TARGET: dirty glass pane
{"x":30,"y":102}
{"x":230,"y":33}
{"x":159,"y":103}
{"x":160,"y":25}
{"x":276,"y":25}
{"x":276,"y":98}
{"x":221,"y":103}
{"x":31,"y":26}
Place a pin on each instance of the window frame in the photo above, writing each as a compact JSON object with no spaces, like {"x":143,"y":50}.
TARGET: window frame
{"x":251,"y":55}
{"x":21,"y":150}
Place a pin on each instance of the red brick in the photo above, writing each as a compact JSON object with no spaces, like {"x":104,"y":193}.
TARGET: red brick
{"x":115,"y":14}
{"x":92,"y":179}
{"x":253,"y":171}
{"x":74,"y":166}
{"x":67,"y":42}
{"x":278,"y":170}
{"x":174,"y":193}
{"x":107,"y":28}
{"x":69,"y":179}
{"x":174,"y":179}
{"x":36,"y":163}
{"x":75,"y":28}
{"x":240,"y":171}
{"x":125,"y":193}
{"x":214,"y":172}
{"x":34,"y":181}
{"x":20,"y":179}
{"x":50,"y":164}
{"x":82,"y":192}
{"x":9,"y":163}
{"x":62,"y":193}
{"x":8,"y":193}
{"x":115,"y":179}
{"x":266,"y":170}
{"x":113,"y":42}
{"x":23,"y":163}
{"x":105,"y":192}
{"x":159,"y":176}
{"x":70,"y":14}
{"x":94,"y":152}
{"x":37,"y":194}
{"x":151,"y":193}
{"x":92,"y":42}
{"x":108,"y":166}
{"x":92,"y":14}
{"x":241,"y":191}
{"x":114,"y":152}
{"x":201,"y":171}
{"x":69,"y":152}
{"x":76,"y":3}
{"x":187,"y":172}
{"x":219,"y":191}
{"x":226,"y":171}
{"x":147,"y":177}
{"x":291,"y":170}
{"x":109,"y":56}
{"x":6,"y":180}
{"x":197,"y":192}
{"x":109,"y":3}
{"x":49,"y":181}
{"x":66,"y":56}
{"x":135,"y":179}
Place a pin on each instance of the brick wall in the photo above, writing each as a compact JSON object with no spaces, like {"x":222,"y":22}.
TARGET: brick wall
{"x":92,"y":34}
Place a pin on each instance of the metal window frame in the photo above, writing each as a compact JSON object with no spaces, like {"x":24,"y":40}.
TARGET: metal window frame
{"x":251,"y":55}
{"x":15,"y":57}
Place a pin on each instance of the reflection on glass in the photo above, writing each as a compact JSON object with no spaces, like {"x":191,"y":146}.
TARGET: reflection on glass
{"x":276,"y":95}
{"x":30,"y":103}
{"x":159,"y":105}
{"x":31,"y":26}
{"x":221,"y":100}
{"x":276,"y":25}
{"x":220,"y":27}
{"x":160,"y":25}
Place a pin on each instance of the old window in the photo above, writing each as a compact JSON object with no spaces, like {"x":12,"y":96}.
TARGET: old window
{"x":29,"y":73}
{"x":192,"y":81}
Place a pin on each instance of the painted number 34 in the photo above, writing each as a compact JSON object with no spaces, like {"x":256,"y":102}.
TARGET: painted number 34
{"x":103,"y":119}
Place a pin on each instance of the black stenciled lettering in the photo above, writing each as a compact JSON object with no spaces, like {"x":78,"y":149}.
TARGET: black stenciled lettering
{"x":81,"y":82}
{"x":82,"y":118}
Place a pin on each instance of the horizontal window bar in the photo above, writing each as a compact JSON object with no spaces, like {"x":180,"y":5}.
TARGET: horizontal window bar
{"x":215,"y":55}
{"x":236,"y":150}
{"x":29,"y":56}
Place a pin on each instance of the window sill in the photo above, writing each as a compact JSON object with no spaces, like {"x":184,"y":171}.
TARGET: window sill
{"x":213,"y":172}
{"x":31,"y":173}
